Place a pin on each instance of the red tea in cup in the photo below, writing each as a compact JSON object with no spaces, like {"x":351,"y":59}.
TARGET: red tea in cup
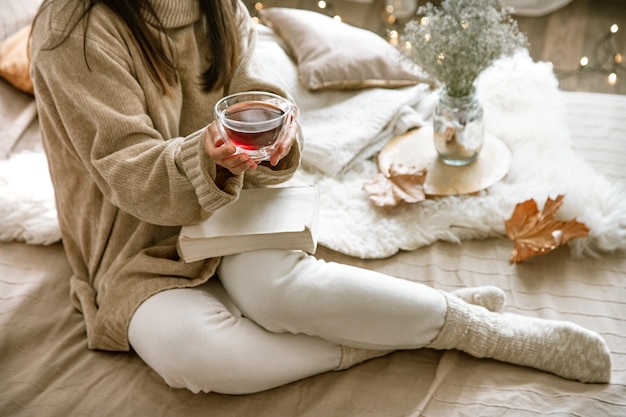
{"x":253,"y":124}
{"x":254,"y":121}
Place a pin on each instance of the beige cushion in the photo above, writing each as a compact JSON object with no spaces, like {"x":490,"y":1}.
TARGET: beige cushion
{"x":333,"y":54}
{"x":15,"y":62}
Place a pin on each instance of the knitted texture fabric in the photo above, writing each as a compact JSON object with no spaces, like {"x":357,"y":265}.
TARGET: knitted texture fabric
{"x":353,"y":356}
{"x":562,"y":348}
{"x":488,"y":296}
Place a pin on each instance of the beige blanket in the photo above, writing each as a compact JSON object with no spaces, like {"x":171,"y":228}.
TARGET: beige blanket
{"x":46,"y":369}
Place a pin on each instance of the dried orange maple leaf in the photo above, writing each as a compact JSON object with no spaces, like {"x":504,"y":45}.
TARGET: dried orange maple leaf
{"x":400,"y":184}
{"x":535,"y":233}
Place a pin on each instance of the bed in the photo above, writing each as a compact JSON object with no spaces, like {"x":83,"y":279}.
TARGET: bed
{"x":577,"y":144}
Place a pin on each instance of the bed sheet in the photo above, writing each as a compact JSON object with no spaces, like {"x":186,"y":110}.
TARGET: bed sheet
{"x":47,"y":370}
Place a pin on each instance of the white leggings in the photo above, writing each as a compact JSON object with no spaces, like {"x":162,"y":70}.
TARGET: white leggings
{"x":275,"y":317}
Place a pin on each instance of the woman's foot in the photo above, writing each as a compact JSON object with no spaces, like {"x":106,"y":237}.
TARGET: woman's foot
{"x":559,"y":347}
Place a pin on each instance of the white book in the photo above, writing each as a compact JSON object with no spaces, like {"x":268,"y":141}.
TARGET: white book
{"x":261,"y":218}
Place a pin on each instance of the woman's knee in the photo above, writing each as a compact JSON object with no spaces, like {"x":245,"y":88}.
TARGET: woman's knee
{"x":214,"y":365}
{"x":189,"y":338}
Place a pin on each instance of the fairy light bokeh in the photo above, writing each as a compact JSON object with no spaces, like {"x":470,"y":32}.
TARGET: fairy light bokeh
{"x":606,"y":59}
{"x":322,"y":6}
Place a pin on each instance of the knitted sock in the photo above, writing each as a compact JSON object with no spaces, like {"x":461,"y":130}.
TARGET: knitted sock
{"x":558,"y":347}
{"x":488,"y":296}
{"x":352,"y":356}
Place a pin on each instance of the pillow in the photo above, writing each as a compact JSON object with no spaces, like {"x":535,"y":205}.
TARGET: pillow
{"x":15,"y":62}
{"x":15,"y":15}
{"x":331,"y":54}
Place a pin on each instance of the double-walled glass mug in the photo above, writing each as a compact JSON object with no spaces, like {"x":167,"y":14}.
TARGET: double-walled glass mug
{"x":256,"y":122}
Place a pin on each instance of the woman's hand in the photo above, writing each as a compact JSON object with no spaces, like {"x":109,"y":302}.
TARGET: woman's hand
{"x":285,"y":146}
{"x":224,"y":154}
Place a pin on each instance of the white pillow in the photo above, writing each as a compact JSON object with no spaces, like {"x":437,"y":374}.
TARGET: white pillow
{"x":333,"y":54}
{"x":16,"y":14}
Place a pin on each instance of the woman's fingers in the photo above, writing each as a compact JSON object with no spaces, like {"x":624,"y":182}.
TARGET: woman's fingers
{"x":225,"y":155}
{"x":285,"y":146}
{"x":214,"y":144}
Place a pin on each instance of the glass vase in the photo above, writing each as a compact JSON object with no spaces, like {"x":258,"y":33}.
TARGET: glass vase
{"x":459,"y":128}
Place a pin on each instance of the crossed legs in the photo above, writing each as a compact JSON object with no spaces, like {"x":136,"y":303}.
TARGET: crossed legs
{"x":282,"y":316}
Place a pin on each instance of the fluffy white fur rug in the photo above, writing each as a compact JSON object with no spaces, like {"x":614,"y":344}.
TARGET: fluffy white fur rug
{"x":27,"y":209}
{"x":522,"y":106}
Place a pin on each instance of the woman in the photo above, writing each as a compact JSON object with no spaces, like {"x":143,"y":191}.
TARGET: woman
{"x":125,"y":91}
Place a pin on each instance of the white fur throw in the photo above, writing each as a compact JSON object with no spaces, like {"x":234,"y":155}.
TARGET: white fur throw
{"x":27,"y":208}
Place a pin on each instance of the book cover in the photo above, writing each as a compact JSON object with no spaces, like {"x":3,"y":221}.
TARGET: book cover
{"x":261,"y":218}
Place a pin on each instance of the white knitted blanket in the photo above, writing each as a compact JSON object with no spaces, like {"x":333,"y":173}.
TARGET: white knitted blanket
{"x":343,"y":130}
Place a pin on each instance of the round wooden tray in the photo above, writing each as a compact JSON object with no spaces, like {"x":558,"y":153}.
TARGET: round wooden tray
{"x":416,"y":149}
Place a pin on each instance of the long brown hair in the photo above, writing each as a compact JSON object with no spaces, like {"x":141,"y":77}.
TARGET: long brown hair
{"x":222,"y":38}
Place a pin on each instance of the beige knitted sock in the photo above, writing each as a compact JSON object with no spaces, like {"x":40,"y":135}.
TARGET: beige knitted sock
{"x":352,"y":356}
{"x":488,"y":296}
{"x":558,"y":347}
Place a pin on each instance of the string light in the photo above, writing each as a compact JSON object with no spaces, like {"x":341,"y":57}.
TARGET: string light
{"x":326,"y":7}
{"x":394,"y":37}
{"x":606,"y":59}
{"x":396,"y":14}
{"x":323,"y":6}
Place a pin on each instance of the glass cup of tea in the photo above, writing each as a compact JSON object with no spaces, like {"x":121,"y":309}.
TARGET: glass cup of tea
{"x":256,"y":122}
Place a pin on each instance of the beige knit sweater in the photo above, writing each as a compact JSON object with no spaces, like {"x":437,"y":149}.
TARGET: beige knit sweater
{"x":127,"y":162}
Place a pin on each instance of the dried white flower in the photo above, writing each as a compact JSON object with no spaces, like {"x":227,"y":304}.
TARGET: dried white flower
{"x":457,"y":41}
